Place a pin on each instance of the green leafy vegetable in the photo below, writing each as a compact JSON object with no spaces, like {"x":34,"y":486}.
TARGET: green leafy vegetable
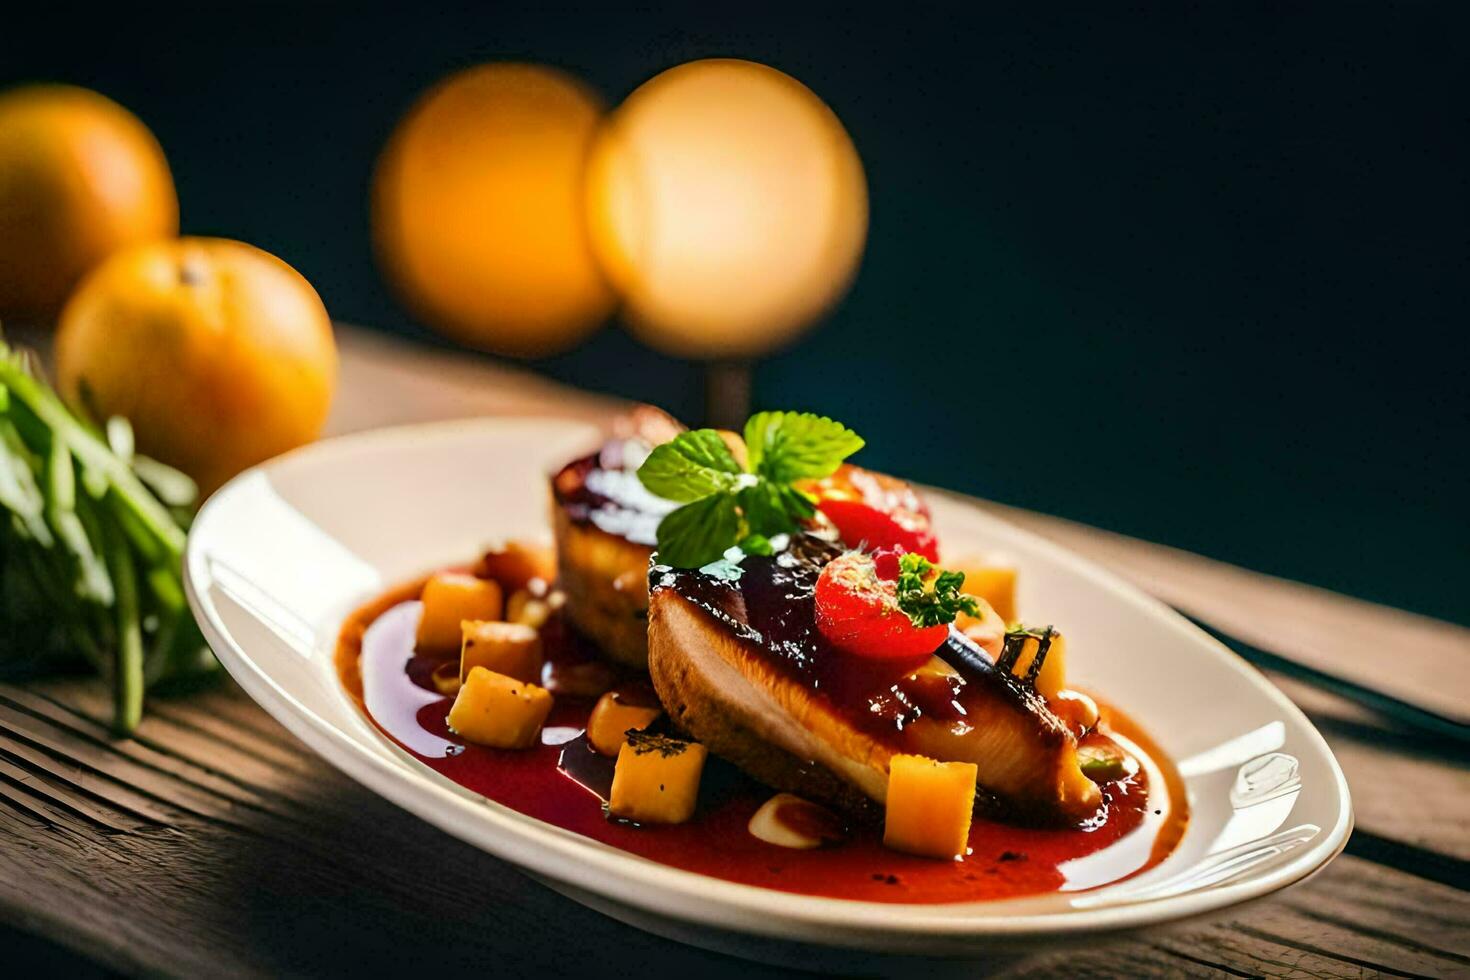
{"x":699,"y":532}
{"x":91,"y":547}
{"x":694,"y":465}
{"x":765,"y":510}
{"x":788,"y":446}
{"x":931,"y":603}
{"x":728,"y":505}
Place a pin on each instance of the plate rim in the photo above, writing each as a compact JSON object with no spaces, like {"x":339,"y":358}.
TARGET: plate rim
{"x":545,"y":850}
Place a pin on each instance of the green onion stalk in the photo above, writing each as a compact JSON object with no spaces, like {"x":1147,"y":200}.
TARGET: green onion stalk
{"x":91,"y":548}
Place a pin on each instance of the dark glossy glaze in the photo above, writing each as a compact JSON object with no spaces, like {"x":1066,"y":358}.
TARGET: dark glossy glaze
{"x":571,"y":491}
{"x":1137,"y":826}
{"x":602,"y":490}
{"x":770,"y":604}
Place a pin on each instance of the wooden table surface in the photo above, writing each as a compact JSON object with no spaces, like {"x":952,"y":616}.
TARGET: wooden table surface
{"x":214,"y":843}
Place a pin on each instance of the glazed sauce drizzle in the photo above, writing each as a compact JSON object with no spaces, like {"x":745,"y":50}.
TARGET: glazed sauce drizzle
{"x":560,"y":781}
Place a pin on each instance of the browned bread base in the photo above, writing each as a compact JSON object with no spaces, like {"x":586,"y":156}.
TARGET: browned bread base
{"x":605,"y":579}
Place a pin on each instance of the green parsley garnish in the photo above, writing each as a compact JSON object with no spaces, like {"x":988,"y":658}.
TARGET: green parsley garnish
{"x":729,"y":505}
{"x":931,"y":604}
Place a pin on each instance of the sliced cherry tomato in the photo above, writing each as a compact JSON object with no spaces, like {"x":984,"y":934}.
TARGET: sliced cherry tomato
{"x":872,"y":510}
{"x":885,"y":560}
{"x":857,"y":611}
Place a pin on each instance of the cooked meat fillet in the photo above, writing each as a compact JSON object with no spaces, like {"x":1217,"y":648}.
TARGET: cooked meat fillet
{"x":740,"y":667}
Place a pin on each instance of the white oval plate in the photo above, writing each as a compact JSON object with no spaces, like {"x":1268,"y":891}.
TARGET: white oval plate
{"x":281,"y":555}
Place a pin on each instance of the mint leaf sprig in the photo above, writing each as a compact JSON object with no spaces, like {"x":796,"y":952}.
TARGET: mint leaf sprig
{"x":931,"y":603}
{"x":729,"y":504}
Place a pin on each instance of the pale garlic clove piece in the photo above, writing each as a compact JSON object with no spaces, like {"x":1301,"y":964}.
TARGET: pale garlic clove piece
{"x":787,"y":820}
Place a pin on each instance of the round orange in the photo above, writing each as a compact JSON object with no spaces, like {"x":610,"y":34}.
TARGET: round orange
{"x":477,"y":210}
{"x":728,"y":205}
{"x":80,"y":177}
{"x":220,"y":354}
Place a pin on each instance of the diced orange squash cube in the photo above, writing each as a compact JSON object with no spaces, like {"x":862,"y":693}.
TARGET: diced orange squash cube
{"x":519,"y":565}
{"x":512,"y":649}
{"x":656,"y":779}
{"x":498,"y":711}
{"x":449,"y":599}
{"x":617,"y":712}
{"x":996,"y":584}
{"x":987,"y":629}
{"x":1053,"y":676}
{"x":929,"y":805}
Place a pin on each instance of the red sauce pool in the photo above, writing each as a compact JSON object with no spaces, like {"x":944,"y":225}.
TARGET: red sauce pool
{"x":1142,"y":818}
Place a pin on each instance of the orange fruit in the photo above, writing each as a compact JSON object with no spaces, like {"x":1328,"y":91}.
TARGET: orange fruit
{"x":477,"y":210}
{"x":220,"y":354}
{"x":728,"y":205}
{"x":80,"y":177}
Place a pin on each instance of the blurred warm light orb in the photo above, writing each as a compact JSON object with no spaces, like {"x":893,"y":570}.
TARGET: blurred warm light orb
{"x":478,"y":211}
{"x":80,"y":177}
{"x":728,"y":206}
{"x":221,"y":355}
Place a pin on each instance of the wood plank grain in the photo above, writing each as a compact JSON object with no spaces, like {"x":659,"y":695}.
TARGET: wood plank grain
{"x":163,"y":772}
{"x":1354,"y":920}
{"x":385,"y":381}
{"x":75,"y":783}
{"x":177,"y":751}
{"x":1405,"y":786}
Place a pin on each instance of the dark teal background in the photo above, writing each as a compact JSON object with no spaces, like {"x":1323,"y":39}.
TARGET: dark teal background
{"x":1197,"y":273}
